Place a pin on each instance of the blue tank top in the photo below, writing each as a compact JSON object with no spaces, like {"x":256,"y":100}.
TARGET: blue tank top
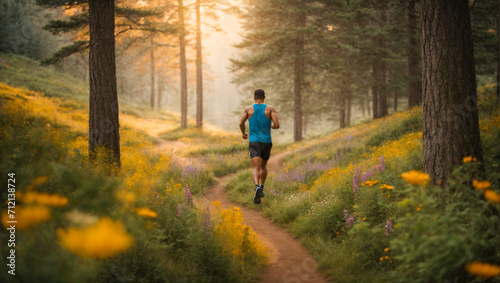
{"x":260,"y":125}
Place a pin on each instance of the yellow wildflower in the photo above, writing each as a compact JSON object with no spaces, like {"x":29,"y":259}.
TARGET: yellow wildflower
{"x":387,"y":187}
{"x":491,"y":30}
{"x":105,"y":239}
{"x":492,"y":196}
{"x":468,"y":159}
{"x":146,"y":212}
{"x":364,"y":218}
{"x":484,"y":270}
{"x":481,"y":185}
{"x":369,"y":183}
{"x":386,"y":250}
{"x":27,"y":217}
{"x":381,"y":259}
{"x":416,"y":177}
{"x":43,"y":199}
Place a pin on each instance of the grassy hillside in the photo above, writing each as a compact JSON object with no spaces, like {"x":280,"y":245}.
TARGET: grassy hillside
{"x":344,"y":196}
{"x":77,"y":224}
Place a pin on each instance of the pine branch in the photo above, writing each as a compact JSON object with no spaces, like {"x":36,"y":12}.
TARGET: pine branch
{"x":66,"y":51}
{"x":75,"y":22}
{"x":59,"y":3}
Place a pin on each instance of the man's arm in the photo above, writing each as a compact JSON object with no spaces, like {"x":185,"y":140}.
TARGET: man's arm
{"x":244,"y":118}
{"x":274,"y":119}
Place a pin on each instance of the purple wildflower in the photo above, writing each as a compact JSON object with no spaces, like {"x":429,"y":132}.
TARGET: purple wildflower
{"x":189,"y":196}
{"x":179,"y":210}
{"x":190,"y":171}
{"x":364,"y":178}
{"x":381,"y":166}
{"x":348,"y":220}
{"x":388,"y":227}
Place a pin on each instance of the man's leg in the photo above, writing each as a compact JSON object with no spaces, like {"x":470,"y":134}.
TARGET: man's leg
{"x":257,"y":169}
{"x":263,"y":171}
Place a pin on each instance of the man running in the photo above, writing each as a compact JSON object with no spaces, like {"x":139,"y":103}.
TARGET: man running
{"x":259,"y":116}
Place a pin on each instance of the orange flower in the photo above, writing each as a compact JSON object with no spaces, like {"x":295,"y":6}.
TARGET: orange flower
{"x":484,"y":270}
{"x":481,"y":185}
{"x":416,"y":177}
{"x":468,"y":159}
{"x":492,"y":196}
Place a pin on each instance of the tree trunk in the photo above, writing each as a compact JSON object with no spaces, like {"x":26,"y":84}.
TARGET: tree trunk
{"x":160,"y":93}
{"x":368,"y":101}
{"x":182,"y":45}
{"x":199,"y":70}
{"x":298,"y":80}
{"x":414,"y":71}
{"x":382,"y":89}
{"x":498,"y":51}
{"x":341,"y":112}
{"x":348,"y":113}
{"x":375,"y":76}
{"x":382,"y":81}
{"x":103,"y":102}
{"x":152,"y":55}
{"x":450,"y":117}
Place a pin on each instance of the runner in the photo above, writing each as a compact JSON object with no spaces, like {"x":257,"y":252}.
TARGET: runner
{"x":262,"y":118}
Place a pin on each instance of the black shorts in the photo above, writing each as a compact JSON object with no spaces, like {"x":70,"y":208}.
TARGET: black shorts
{"x":260,"y":149}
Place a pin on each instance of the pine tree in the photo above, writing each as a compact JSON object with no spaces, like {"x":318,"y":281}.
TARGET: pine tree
{"x":450,"y":117}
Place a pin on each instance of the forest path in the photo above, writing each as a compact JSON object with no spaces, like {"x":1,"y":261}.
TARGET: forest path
{"x":289,"y":260}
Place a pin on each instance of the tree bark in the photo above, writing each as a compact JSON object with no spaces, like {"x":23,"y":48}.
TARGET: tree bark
{"x":342,"y":112}
{"x":375,"y":77}
{"x":348,"y":113}
{"x":382,"y":78}
{"x":160,"y":93}
{"x":414,"y":70}
{"x":152,"y":55}
{"x":298,"y":80}
{"x":199,"y":69}
{"x":450,"y":117}
{"x":103,"y":101}
{"x":498,"y":51}
{"x":182,"y":45}
{"x":368,"y":101}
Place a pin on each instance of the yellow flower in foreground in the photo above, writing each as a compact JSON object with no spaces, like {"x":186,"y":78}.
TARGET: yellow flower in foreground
{"x":416,"y":177}
{"x":492,"y":196}
{"x":146,"y":212}
{"x":481,"y":185}
{"x":387,"y":187}
{"x":105,"y":239}
{"x":27,"y":217}
{"x":469,"y":159}
{"x":369,"y":183}
{"x":484,"y":270}
{"x":386,"y":250}
{"x":43,"y":199}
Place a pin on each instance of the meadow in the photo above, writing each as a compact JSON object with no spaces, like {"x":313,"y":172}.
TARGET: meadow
{"x":83,"y":221}
{"x":358,"y":199}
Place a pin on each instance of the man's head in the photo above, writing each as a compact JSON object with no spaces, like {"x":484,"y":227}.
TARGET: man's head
{"x":259,"y":94}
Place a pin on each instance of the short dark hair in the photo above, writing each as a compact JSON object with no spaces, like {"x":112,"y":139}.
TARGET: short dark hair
{"x":259,"y":94}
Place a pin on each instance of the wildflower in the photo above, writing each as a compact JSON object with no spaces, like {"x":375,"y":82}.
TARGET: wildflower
{"x":492,"y":30}
{"x":146,"y":212}
{"x":484,"y":270}
{"x":387,"y":187}
{"x":179,"y":210}
{"x":364,"y":218}
{"x":468,"y":159}
{"x":388,"y":227}
{"x":54,"y":200}
{"x":380,"y":166}
{"x":348,"y":220}
{"x":369,"y":183}
{"x":481,"y":185}
{"x":415,"y":177}
{"x":381,"y":259}
{"x":27,"y":216}
{"x":418,"y":208}
{"x":126,"y":197}
{"x":189,"y":196}
{"x":492,"y":196}
{"x":104,"y":239}
{"x":386,"y":250}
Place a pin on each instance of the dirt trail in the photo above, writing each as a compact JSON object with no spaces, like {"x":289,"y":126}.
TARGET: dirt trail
{"x":289,"y":260}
